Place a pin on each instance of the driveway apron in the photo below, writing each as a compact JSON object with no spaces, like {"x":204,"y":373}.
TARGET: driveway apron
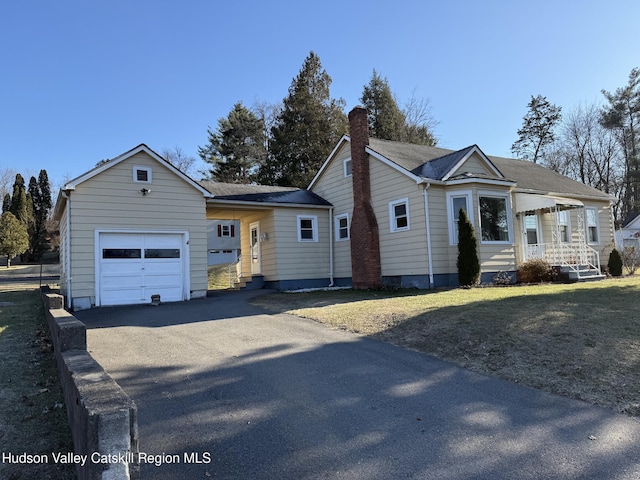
{"x":231,"y":391}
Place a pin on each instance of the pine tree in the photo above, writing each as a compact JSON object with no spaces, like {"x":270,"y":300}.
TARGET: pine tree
{"x":467,"y":263}
{"x":537,"y":132}
{"x":386,"y":120}
{"x":236,"y":148}
{"x":40,"y":199}
{"x":622,"y":116}
{"x":19,"y":204}
{"x":6,"y":203}
{"x":306,"y":130}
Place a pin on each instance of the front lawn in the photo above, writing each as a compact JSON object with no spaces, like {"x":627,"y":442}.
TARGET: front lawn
{"x":578,"y":340}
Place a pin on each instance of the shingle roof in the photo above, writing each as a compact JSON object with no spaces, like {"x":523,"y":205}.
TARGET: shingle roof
{"x":434,"y":163}
{"x":534,"y":177}
{"x":263,"y":194}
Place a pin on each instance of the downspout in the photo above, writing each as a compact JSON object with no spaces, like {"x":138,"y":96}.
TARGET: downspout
{"x":428,"y":225}
{"x":67,"y":257}
{"x":331,"y":247}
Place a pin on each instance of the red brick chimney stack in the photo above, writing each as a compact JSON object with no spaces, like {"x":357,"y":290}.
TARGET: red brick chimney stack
{"x":365,"y":242}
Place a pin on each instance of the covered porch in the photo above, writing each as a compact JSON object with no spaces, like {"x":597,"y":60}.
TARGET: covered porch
{"x":559,"y":230}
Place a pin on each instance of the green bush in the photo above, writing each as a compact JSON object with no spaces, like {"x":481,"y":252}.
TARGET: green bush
{"x":535,"y":271}
{"x":615,"y":263}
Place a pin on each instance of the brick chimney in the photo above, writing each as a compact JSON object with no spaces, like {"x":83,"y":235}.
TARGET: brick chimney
{"x":365,"y":242}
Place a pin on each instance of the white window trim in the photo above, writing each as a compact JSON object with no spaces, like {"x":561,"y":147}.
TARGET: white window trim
{"x":392,"y":215}
{"x":597,"y":225}
{"x":337,"y":219}
{"x":314,"y":226}
{"x":226,"y":234}
{"x":344,"y":167}
{"x":507,"y":196}
{"x":136,"y":168}
{"x":453,"y":216}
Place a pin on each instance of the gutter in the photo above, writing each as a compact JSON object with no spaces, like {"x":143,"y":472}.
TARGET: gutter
{"x":331,"y":247}
{"x":425,"y":192}
{"x":67,"y":257}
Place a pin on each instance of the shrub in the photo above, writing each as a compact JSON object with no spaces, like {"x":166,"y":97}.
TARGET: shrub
{"x":615,"y":263}
{"x":630,"y":259}
{"x":467,"y":263}
{"x":535,"y":271}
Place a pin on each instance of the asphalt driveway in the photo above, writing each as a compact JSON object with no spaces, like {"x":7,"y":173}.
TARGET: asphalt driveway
{"x":278,"y":397}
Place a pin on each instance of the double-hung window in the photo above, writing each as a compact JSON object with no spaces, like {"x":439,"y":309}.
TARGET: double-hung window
{"x":495,"y":217}
{"x":563,"y":225}
{"x":342,"y":227}
{"x":399,"y":215}
{"x":347,"y":167}
{"x":455,"y":202}
{"x":307,"y":228}
{"x":592,"y":225}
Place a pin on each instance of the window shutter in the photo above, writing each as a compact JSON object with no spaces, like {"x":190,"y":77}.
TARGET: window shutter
{"x":233,"y":230}
{"x":219,"y":230}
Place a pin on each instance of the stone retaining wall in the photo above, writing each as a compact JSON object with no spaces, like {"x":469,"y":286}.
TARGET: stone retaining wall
{"x":103,"y":419}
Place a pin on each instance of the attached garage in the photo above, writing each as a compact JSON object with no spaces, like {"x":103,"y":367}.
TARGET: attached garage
{"x":134,"y":266}
{"x":131,"y":228}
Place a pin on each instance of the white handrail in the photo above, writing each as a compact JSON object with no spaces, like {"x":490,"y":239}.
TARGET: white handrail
{"x":571,"y":255}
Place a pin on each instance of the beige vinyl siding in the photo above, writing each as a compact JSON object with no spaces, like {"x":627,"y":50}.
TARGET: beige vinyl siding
{"x":338,"y":189}
{"x":111,"y":200}
{"x":64,"y":253}
{"x":401,"y":252}
{"x":301,"y":260}
{"x":438,"y":217}
{"x":474,"y":164}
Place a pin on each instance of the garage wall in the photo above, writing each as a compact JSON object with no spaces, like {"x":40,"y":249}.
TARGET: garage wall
{"x":112,"y":200}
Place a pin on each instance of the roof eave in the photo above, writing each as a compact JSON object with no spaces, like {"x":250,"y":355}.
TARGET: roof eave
{"x":343,"y":139}
{"x":219,"y":201}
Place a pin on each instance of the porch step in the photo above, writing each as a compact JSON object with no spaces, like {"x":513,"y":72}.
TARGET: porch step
{"x":584,"y":273}
{"x":254,"y":282}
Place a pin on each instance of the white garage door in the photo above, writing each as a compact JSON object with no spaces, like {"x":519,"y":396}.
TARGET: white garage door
{"x":133,"y":267}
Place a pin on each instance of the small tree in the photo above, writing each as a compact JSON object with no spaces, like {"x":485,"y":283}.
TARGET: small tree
{"x":14,"y":238}
{"x":467,"y":263}
{"x":630,"y":259}
{"x":615,"y":263}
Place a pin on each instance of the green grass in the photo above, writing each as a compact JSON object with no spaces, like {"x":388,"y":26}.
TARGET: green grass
{"x":578,"y":340}
{"x":32,"y":412}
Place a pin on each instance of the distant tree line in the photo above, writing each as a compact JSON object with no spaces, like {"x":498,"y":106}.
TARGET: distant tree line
{"x":25,"y":215}
{"x":597,"y":144}
{"x":286,"y":143}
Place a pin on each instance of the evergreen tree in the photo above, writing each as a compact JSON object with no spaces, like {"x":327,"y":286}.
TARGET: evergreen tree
{"x":14,"y":239}
{"x":306,"y":129}
{"x":537,"y":132}
{"x":386,"y":120}
{"x":40,"y":197}
{"x":19,"y":204}
{"x":467,"y":263}
{"x":615,"y":263}
{"x":236,"y":149}
{"x":622,"y":116}
{"x":6,"y":203}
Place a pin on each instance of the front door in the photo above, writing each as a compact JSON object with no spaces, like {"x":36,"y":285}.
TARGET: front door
{"x":531,"y":233}
{"x":256,"y":254}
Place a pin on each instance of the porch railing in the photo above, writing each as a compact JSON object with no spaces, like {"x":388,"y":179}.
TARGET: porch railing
{"x":235,"y":271}
{"x":575,"y":256}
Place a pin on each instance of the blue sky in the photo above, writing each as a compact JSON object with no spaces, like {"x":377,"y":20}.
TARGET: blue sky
{"x":82,"y":81}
